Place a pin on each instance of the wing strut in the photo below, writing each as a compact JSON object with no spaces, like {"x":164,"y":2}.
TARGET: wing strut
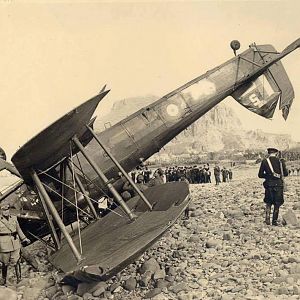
{"x":92,"y":163}
{"x":120,"y":168}
{"x":61,"y":225}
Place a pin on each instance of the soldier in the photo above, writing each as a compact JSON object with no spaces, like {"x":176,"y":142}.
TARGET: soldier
{"x":272,"y":169}
{"x":217,"y":173}
{"x":139,"y":183}
{"x":10,"y":245}
{"x":157,"y":179}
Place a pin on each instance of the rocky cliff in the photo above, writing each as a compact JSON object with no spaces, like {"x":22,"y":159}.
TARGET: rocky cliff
{"x":219,"y":129}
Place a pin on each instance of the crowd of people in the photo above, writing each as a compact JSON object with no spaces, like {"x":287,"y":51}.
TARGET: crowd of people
{"x":192,"y":174}
{"x":199,"y":174}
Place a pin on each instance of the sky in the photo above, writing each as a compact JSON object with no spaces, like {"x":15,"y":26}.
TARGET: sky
{"x":55,"y":55}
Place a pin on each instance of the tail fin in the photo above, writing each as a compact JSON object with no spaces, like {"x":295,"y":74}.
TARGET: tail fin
{"x":262,"y":94}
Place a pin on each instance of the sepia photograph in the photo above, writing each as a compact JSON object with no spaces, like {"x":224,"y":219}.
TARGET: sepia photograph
{"x":150,"y":150}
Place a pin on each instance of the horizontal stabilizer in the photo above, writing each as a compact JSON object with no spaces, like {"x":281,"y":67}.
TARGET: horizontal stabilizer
{"x":259,"y":96}
{"x":262,"y":94}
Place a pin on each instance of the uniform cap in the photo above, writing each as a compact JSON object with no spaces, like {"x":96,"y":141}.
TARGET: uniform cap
{"x":272,"y":150}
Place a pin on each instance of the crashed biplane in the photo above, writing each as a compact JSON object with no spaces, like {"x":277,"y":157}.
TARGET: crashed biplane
{"x":68,"y":167}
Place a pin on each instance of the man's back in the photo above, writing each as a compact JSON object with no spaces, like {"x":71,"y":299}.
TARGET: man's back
{"x":265,"y":170}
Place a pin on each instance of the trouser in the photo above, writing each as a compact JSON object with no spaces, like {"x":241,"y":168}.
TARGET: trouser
{"x":275,"y":213}
{"x":5,"y":272}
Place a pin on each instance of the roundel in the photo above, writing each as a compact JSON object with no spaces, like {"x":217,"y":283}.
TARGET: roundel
{"x":172,"y":110}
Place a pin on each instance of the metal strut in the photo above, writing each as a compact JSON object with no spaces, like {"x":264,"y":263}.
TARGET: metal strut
{"x":120,"y":168}
{"x":105,"y":180}
{"x":55,"y":214}
{"x":82,"y":189}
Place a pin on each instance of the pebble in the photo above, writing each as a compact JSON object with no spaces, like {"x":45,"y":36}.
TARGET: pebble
{"x":224,"y":251}
{"x":130,"y":284}
{"x":152,"y":293}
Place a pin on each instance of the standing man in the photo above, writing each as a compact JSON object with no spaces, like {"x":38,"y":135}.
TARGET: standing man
{"x":10,"y":245}
{"x":217,"y":173}
{"x":272,"y":169}
{"x":157,"y":178}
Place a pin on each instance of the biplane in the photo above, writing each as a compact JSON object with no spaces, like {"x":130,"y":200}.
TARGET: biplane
{"x":65,"y":169}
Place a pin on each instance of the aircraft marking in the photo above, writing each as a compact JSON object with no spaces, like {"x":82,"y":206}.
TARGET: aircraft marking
{"x":172,"y":110}
{"x":201,"y":89}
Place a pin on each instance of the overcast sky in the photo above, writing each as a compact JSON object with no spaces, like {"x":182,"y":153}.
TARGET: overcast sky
{"x":54,"y":56}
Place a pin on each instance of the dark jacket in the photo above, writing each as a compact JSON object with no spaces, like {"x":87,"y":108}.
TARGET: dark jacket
{"x":265,"y":171}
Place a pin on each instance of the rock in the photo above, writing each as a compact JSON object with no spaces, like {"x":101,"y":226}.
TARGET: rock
{"x":170,"y":278}
{"x":194,"y":239}
{"x":289,"y":218}
{"x":295,"y":269}
{"x":145,"y":279}
{"x":152,"y":293}
{"x":296,"y":290}
{"x":51,"y":291}
{"x":99,"y":291}
{"x":150,"y":265}
{"x":118,"y":289}
{"x":171,"y":271}
{"x":234,"y":213}
{"x":67,"y":289}
{"x":227,"y":236}
{"x":212,"y":243}
{"x":161,"y":283}
{"x":7,"y":294}
{"x":98,"y":286}
{"x":114,"y":286}
{"x":282,"y":291}
{"x":159,"y":274}
{"x":130,"y":284}
{"x":203,"y":282}
{"x":179,"y":287}
{"x":31,"y":293}
{"x":87,"y":296}
{"x":296,"y":206}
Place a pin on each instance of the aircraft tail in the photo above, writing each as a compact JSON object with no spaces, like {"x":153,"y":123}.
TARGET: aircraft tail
{"x":262,"y":94}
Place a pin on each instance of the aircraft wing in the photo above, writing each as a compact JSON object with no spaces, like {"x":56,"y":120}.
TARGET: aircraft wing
{"x":53,"y":144}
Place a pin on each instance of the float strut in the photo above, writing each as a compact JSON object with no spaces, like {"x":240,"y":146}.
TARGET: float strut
{"x":116,"y":195}
{"x":120,"y":168}
{"x":50,"y":222}
{"x":83,"y":190}
{"x":55,"y":214}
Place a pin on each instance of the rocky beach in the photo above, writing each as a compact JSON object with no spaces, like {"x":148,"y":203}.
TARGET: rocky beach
{"x":223,"y":251}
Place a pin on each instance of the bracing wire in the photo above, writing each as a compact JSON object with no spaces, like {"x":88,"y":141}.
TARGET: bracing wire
{"x":70,"y":187}
{"x":55,"y":192}
{"x":87,"y":179}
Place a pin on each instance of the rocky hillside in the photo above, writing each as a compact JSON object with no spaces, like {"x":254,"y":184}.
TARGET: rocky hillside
{"x":220,"y":129}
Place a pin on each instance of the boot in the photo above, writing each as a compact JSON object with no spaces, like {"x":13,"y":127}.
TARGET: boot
{"x":275,"y":216}
{"x":4,"y":273}
{"x":18,"y":272}
{"x":268,"y":214}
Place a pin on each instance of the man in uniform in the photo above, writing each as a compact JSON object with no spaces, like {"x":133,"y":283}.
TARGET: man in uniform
{"x":127,"y":187}
{"x":272,"y":169}
{"x":157,"y":178}
{"x":10,"y":245}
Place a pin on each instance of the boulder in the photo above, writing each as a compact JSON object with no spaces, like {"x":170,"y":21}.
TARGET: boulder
{"x":7,"y":294}
{"x":289,"y":218}
{"x":130,"y":284}
{"x":150,"y":265}
{"x":151,"y":294}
